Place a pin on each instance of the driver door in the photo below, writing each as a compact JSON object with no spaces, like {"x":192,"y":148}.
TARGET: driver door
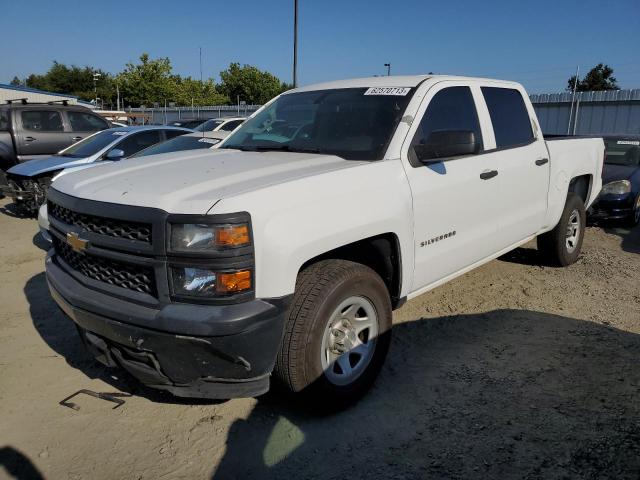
{"x":454,"y":199}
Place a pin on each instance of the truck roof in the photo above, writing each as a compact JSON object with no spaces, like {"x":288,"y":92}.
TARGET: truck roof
{"x":387,"y":81}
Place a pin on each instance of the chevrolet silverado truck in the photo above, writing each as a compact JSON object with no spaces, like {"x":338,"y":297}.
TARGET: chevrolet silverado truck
{"x":282,"y":253}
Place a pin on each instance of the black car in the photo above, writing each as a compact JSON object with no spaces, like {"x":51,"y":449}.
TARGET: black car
{"x":620,"y":195}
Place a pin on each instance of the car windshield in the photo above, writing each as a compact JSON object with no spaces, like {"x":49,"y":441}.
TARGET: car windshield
{"x":352,"y":123}
{"x":177,"y":144}
{"x":92,"y":144}
{"x":209,"y":125}
{"x":623,"y":152}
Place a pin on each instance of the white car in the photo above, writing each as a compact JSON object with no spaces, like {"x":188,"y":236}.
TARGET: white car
{"x":282,"y":252}
{"x":221,"y":127}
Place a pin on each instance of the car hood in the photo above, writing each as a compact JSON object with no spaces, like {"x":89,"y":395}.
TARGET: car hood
{"x":611,"y":173}
{"x":193,"y":181}
{"x":33,"y":168}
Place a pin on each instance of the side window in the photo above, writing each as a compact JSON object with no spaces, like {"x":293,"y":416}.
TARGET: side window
{"x":41,"y":120}
{"x":451,"y":109}
{"x":138,"y":141}
{"x":509,"y":116}
{"x":229,"y":126}
{"x":169,"y":134}
{"x":86,"y":122}
{"x":4,"y":119}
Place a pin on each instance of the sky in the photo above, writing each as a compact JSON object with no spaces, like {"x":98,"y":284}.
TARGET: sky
{"x":538,"y":43}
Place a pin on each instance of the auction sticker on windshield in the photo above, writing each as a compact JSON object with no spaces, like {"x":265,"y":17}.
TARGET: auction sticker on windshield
{"x":399,"y":91}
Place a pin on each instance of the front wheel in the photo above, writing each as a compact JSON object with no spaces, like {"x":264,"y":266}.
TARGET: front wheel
{"x":338,"y":333}
{"x":634,"y":218}
{"x":562,"y":245}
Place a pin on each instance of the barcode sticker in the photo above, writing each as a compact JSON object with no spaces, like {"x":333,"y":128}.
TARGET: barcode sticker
{"x":398,"y":91}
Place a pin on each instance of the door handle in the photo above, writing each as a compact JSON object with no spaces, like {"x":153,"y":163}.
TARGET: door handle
{"x":75,"y":139}
{"x":487,"y":174}
{"x":29,"y":139}
{"x":542,"y":161}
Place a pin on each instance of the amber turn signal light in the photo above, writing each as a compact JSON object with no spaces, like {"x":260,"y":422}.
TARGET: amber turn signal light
{"x":234,"y":282}
{"x":232,"y":236}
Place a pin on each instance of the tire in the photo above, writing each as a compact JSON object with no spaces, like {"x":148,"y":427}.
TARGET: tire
{"x":634,"y":218}
{"x":562,"y":245}
{"x":322,"y":324}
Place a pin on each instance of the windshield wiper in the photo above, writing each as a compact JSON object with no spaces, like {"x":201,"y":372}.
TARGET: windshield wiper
{"x":277,"y":148}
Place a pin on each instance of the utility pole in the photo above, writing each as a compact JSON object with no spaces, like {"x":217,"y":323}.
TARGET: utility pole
{"x":388,"y":65}
{"x":117,"y":97}
{"x":95,"y":86}
{"x":295,"y":43}
{"x":573,"y":96}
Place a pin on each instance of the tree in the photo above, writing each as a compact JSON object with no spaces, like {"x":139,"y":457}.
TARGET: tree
{"x":16,"y":81}
{"x":147,"y":82}
{"x":599,"y":77}
{"x":250,"y":84}
{"x":200,"y":93}
{"x":74,"y":80}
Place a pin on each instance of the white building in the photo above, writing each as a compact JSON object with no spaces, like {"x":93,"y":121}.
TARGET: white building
{"x":16,"y":92}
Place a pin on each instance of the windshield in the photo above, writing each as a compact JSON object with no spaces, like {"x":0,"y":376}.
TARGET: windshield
{"x":92,"y":144}
{"x":177,"y":144}
{"x":623,"y":152}
{"x":352,"y":123}
{"x":209,"y":125}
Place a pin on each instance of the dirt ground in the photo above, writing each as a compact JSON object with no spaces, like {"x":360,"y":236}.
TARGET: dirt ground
{"x":512,"y":371}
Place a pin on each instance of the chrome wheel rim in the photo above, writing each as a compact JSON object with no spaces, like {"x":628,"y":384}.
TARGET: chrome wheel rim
{"x":573,"y":231}
{"x":636,"y":210}
{"x":349,"y":340}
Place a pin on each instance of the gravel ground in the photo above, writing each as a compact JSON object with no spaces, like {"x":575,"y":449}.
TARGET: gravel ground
{"x":511,"y":371}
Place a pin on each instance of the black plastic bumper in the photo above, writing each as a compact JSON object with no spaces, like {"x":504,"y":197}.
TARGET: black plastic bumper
{"x":611,"y":209}
{"x":205,"y":351}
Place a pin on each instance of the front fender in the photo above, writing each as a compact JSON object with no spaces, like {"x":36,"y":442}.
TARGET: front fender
{"x":299,"y":220}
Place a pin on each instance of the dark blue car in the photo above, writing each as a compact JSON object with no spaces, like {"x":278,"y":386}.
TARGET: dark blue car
{"x":620,"y":195}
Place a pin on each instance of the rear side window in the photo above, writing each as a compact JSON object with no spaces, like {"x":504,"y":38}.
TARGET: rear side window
{"x":229,"y":126}
{"x":451,"y":108}
{"x":42,"y":120}
{"x":86,"y":122}
{"x":509,"y":116}
{"x":169,"y":134}
{"x":138,"y":141}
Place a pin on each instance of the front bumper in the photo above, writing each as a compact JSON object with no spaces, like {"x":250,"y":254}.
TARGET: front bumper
{"x":616,"y":208}
{"x":221,"y":351}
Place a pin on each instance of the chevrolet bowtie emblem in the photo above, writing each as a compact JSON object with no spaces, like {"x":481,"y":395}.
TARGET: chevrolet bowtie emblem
{"x":75,"y":242}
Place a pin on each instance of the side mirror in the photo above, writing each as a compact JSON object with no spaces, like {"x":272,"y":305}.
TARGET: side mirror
{"x":443,"y":144}
{"x":115,"y":154}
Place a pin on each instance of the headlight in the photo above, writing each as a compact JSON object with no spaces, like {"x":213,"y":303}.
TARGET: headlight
{"x":619,"y":187}
{"x":195,"y":237}
{"x":205,"y":282}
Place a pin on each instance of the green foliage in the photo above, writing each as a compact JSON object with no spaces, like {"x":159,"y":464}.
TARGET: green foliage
{"x":73,"y":80}
{"x":150,"y":81}
{"x":599,"y":77}
{"x":252,"y":85}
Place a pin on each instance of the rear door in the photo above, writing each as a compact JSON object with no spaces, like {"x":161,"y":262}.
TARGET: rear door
{"x":41,"y":132}
{"x":84,"y":124}
{"x":454,"y":200}
{"x":522,"y":162}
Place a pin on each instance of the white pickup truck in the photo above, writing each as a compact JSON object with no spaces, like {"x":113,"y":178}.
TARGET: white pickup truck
{"x":283,"y":252}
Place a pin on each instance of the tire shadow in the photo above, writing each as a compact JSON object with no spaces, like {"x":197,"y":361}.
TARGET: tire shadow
{"x":504,"y":394}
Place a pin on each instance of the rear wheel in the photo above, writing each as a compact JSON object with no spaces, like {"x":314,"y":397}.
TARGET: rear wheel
{"x":338,"y":332}
{"x":562,"y":245}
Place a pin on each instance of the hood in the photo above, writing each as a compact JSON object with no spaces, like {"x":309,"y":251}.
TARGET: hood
{"x":193,"y":181}
{"x":611,"y":173}
{"x":34,"y":168}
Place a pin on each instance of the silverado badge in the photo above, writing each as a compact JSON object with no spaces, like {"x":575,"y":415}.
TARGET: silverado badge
{"x":75,"y":242}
